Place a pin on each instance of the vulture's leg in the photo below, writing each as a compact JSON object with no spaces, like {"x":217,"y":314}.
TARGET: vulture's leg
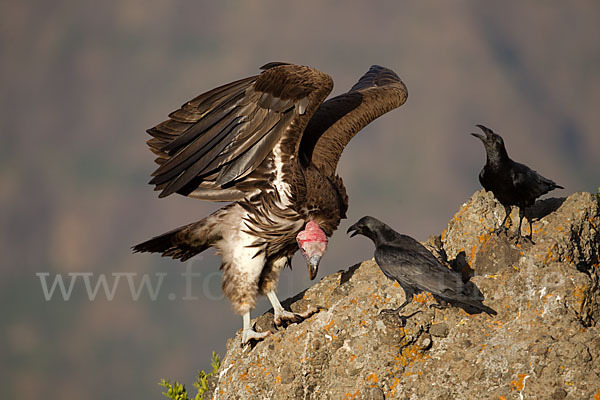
{"x":268,"y":285}
{"x":281,"y":314}
{"x":249,"y":333}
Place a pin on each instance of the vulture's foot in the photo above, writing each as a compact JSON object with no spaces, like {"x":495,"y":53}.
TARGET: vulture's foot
{"x":286,"y":317}
{"x":248,"y":334}
{"x":281,"y":316}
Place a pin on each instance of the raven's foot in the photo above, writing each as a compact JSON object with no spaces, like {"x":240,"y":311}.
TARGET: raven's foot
{"x":440,"y":303}
{"x":527,"y":239}
{"x":439,"y":306}
{"x":395,"y":310}
{"x":403,"y":318}
{"x":520,"y":239}
{"x":503,"y":230}
{"x":249,"y":334}
{"x":390,"y":310}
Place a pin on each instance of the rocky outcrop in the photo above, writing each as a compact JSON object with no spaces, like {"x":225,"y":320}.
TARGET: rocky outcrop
{"x":544,"y":342}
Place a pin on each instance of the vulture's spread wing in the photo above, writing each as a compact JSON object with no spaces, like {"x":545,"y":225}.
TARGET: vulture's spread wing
{"x":338,"y":119}
{"x":216,"y":140}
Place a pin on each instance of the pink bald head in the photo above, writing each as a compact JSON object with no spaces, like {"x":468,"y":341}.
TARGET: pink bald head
{"x":312,"y":242}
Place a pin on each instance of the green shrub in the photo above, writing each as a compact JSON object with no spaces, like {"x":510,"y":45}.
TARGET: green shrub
{"x":177,"y":391}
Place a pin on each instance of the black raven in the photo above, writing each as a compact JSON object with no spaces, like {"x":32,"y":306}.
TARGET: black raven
{"x":512,"y":183}
{"x":408,"y":262}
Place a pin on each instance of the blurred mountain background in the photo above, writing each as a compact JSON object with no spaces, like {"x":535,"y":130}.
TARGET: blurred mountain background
{"x":81,"y":81}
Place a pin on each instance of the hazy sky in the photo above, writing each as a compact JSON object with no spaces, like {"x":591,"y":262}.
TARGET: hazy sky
{"x":82,"y":81}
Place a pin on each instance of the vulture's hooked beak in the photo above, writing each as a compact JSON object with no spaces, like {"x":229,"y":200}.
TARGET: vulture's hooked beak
{"x":313,"y":266}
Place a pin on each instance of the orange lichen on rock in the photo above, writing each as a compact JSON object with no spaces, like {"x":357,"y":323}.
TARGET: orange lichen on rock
{"x":372,"y":378}
{"x":518,"y":383}
{"x":410,"y":354}
{"x":329,"y":325}
{"x":354,"y":395}
{"x":423,"y":297}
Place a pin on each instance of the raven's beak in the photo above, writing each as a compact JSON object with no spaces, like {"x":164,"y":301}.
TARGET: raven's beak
{"x":485,"y":130}
{"x":313,"y":266}
{"x":354,"y":229}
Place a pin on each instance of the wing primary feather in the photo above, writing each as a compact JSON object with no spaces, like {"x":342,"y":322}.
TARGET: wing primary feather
{"x":205,"y":123}
{"x":206,"y":101}
{"x":193,"y":152}
{"x":200,"y":162}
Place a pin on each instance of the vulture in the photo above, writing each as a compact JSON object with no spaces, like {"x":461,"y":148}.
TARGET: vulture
{"x":269,"y":145}
{"x":513,"y":183}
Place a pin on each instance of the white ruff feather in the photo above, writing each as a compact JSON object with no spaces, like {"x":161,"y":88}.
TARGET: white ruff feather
{"x":282,"y":187}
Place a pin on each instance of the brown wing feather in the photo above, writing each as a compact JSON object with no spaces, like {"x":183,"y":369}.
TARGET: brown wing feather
{"x":212,"y":143}
{"x":338,"y":119}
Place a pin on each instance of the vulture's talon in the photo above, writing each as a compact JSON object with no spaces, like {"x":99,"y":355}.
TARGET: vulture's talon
{"x":310,"y":311}
{"x":286,"y":317}
{"x":249,"y":334}
{"x":290,"y":317}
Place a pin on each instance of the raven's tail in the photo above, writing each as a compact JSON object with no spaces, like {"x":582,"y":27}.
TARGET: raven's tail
{"x":475,"y":307}
{"x":471,"y":299}
{"x":486,"y":309}
{"x":183,"y":242}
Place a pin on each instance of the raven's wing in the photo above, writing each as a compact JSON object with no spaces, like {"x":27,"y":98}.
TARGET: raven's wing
{"x":215,"y":141}
{"x":337,"y":120}
{"x":483,"y":179}
{"x":413,"y":265}
{"x":529,"y":184}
